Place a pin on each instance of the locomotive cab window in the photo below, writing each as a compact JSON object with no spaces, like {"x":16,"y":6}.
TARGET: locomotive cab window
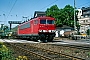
{"x":46,"y":21}
{"x":42,"y":21}
{"x":50,"y":21}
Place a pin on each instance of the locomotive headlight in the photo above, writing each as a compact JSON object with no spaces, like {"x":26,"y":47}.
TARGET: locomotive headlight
{"x":49,"y":31}
{"x":44,"y":30}
{"x":40,"y":30}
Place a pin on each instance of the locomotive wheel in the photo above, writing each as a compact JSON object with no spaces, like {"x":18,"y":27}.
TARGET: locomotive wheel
{"x":45,"y":41}
{"x":35,"y":38}
{"x":50,"y":38}
{"x":42,"y":38}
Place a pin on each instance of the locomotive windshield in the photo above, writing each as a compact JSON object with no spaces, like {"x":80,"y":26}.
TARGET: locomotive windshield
{"x":46,"y":21}
{"x":50,"y":21}
{"x":42,"y":21}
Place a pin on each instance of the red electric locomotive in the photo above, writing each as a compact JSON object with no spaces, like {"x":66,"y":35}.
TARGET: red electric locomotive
{"x":40,"y":28}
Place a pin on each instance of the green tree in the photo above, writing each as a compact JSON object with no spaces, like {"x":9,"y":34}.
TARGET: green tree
{"x":63,"y":16}
{"x":69,"y":15}
{"x":54,"y":11}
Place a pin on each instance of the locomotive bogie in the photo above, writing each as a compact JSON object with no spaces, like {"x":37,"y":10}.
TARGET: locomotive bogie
{"x":49,"y":37}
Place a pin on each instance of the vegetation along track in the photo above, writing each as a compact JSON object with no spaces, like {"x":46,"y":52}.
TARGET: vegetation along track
{"x":41,"y":53}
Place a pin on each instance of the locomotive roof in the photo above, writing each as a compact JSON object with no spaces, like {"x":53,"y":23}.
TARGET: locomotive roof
{"x":44,"y":17}
{"x":39,"y":13}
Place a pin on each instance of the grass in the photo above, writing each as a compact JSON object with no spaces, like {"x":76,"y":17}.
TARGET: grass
{"x":88,"y":53}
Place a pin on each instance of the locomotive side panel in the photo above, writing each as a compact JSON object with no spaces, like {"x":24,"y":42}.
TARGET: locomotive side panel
{"x":35,"y":26}
{"x":24,"y":29}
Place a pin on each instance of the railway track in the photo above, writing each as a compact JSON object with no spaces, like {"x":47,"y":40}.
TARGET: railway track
{"x":81,"y":51}
{"x":30,"y":49}
{"x":82,"y":47}
{"x":41,"y":53}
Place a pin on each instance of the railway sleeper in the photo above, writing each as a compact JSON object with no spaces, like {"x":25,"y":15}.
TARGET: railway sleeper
{"x":56,"y":53}
{"x":63,"y":55}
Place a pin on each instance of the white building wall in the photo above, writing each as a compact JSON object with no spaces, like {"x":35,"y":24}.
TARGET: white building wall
{"x":84,"y":21}
{"x":79,"y":13}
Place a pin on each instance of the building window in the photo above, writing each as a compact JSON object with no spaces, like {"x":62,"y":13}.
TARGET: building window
{"x":83,"y":21}
{"x":86,"y":21}
{"x":82,"y":27}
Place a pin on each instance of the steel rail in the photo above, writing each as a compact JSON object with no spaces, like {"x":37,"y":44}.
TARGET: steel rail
{"x":60,"y":54}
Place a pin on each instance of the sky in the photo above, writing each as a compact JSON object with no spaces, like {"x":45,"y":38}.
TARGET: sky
{"x":14,"y":10}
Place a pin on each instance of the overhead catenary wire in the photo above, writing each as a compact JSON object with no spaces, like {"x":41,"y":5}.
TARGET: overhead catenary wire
{"x":49,"y":4}
{"x":7,"y":5}
{"x":83,"y":4}
{"x":12,"y":8}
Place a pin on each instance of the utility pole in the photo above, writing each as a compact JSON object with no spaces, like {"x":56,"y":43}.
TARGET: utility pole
{"x":74,"y":16}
